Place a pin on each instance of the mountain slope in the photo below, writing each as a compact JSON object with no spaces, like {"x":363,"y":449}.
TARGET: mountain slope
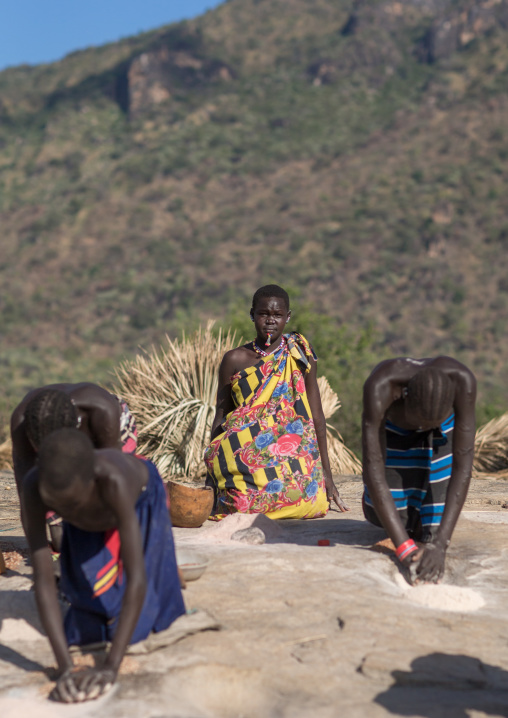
{"x":355,"y":151}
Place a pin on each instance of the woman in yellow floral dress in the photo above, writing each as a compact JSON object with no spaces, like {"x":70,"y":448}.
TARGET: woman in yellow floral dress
{"x":268,"y":451}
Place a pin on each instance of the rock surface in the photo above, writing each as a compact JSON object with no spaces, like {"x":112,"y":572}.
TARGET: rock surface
{"x":307,"y":630}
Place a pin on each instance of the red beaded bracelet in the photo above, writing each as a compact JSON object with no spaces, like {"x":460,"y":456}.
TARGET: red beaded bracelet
{"x":405,"y":549}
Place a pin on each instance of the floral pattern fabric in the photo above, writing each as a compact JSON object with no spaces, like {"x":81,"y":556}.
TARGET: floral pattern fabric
{"x":266,"y":460}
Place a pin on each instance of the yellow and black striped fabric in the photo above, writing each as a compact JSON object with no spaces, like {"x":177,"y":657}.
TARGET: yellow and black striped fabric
{"x":266,"y":460}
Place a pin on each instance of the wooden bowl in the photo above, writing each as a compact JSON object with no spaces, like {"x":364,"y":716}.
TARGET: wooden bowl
{"x":189,"y":507}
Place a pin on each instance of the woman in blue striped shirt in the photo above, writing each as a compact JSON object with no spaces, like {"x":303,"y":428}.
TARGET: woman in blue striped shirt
{"x":418,"y":431}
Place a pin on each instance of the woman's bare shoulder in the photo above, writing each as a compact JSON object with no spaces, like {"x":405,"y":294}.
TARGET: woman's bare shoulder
{"x":239,"y":358}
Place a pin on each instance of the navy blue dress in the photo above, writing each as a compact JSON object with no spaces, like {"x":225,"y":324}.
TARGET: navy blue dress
{"x":93,"y":581}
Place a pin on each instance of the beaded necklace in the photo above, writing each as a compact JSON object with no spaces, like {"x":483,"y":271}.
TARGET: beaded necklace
{"x":261,"y":351}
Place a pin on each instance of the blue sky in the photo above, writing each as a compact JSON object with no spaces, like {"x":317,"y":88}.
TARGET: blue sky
{"x":35,"y":31}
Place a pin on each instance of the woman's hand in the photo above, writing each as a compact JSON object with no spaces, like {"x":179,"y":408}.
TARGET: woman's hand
{"x":427,"y":564}
{"x":333,"y":496}
{"x":76,"y":685}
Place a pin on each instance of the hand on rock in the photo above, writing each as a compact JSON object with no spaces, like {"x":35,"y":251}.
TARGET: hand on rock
{"x":333,"y":496}
{"x":426,"y":565}
{"x":78,"y":685}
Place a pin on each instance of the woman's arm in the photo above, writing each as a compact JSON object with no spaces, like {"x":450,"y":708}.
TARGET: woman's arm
{"x":225,"y":403}
{"x":23,"y":453}
{"x":91,"y":683}
{"x":44,"y":577}
{"x":431,"y":564}
{"x":116,"y":491}
{"x":102,"y":414}
{"x":377,"y":397}
{"x":318,"y":417}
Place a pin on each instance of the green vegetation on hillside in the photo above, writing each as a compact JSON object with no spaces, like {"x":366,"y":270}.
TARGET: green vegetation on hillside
{"x":327,"y":146}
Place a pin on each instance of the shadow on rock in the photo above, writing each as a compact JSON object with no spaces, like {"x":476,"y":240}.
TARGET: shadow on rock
{"x":441,"y":684}
{"x":20,"y":606}
{"x":9,"y":655}
{"x":340,"y":531}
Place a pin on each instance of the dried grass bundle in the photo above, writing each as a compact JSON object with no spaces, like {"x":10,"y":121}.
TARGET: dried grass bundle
{"x":342,"y":459}
{"x":6,"y":456}
{"x":329,"y":399}
{"x":491,"y":447}
{"x":172,"y":394}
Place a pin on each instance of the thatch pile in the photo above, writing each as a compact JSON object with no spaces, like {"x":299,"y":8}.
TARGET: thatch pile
{"x":491,"y":449}
{"x":172,"y":395}
{"x":342,"y":459}
{"x":6,"y":456}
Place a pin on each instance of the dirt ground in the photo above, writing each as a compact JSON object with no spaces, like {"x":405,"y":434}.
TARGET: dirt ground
{"x":9,"y":504}
{"x":305,"y":630}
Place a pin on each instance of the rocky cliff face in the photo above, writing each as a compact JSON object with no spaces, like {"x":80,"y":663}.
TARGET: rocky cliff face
{"x":154,"y":75}
{"x":453,"y":25}
{"x":380,"y":35}
{"x":458,"y":27}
